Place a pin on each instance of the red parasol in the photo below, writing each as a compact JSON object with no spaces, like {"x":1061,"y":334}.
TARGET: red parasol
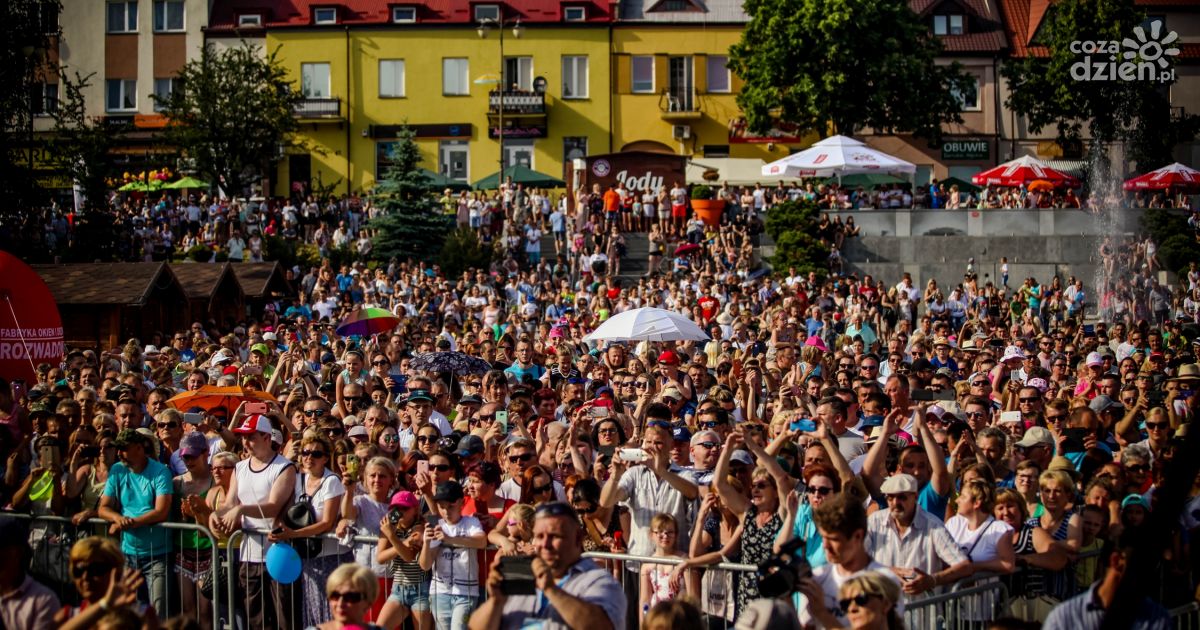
{"x":1021,"y":171}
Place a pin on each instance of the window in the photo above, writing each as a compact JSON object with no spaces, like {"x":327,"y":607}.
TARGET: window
{"x":326,"y":15}
{"x":454,"y":76}
{"x":642,"y":71}
{"x":314,"y":80}
{"x":575,"y":77}
{"x":168,"y":15}
{"x":970,"y":98}
{"x":518,"y":73}
{"x":574,"y":147}
{"x":44,"y":99}
{"x":122,"y":17}
{"x":391,"y":78}
{"x":404,"y":14}
{"x":718,"y":73}
{"x":120,"y":95}
{"x":454,"y":158}
{"x":518,"y":153}
{"x":163,"y":89}
{"x":250,"y":19}
{"x":673,"y":5}
{"x":574,"y":14}
{"x":484,"y":12}
{"x":947,"y":25}
{"x":716,"y":150}
{"x":47,"y":17}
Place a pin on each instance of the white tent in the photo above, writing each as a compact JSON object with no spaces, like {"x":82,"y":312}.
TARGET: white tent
{"x":837,"y":156}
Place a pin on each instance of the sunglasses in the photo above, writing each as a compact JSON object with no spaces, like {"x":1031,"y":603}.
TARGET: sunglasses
{"x":350,"y":597}
{"x":378,"y":363}
{"x":1137,"y":468}
{"x":93,"y":569}
{"x":980,"y":384}
{"x":312,"y":453}
{"x":352,"y":399}
{"x":540,"y":489}
{"x":858,"y":600}
{"x":335,"y":431}
{"x":820,"y":490}
{"x":1154,"y":426}
{"x":220,"y":468}
{"x":427,"y":439}
{"x":168,"y":425}
{"x":512,"y":459}
{"x":1058,"y":417}
{"x":314,"y":413}
{"x":868,"y":367}
{"x":711,"y":424}
{"x":606,"y":431}
{"x":1029,"y":399}
{"x":709,"y":444}
{"x":760,"y":485}
{"x":641,"y":384}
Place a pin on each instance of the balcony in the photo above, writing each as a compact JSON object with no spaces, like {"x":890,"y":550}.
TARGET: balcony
{"x":317,"y":109}
{"x":517,"y":103}
{"x":679,"y":105}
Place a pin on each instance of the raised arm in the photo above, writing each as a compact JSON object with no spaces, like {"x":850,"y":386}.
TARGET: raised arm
{"x":735,"y":500}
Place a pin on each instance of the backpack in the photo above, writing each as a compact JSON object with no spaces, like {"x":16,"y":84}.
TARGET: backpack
{"x":302,"y":514}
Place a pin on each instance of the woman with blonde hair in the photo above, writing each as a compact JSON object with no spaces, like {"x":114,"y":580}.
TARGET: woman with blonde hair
{"x":349,"y":590}
{"x":95,"y":563}
{"x":868,"y":600}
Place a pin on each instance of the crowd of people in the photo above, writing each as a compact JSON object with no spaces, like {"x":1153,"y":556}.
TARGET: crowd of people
{"x":866,"y":445}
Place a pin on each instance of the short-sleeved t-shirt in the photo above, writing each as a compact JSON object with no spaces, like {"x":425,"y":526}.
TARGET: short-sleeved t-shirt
{"x":831,"y":578}
{"x":136,"y":494}
{"x":456,"y":569}
{"x":331,"y":488}
{"x":932,"y":502}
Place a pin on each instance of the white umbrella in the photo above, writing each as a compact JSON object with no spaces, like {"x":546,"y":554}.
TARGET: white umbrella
{"x":837,"y":156}
{"x":648,"y":324}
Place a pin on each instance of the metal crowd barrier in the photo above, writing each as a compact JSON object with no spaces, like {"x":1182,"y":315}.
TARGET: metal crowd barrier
{"x":969,"y":608}
{"x":51,"y":562}
{"x":1185,"y":617}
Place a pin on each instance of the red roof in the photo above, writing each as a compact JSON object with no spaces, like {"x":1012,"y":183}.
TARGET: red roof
{"x":985,"y":28}
{"x":298,"y":13}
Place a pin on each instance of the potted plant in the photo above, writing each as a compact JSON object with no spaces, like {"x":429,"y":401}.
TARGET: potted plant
{"x":706,"y":207}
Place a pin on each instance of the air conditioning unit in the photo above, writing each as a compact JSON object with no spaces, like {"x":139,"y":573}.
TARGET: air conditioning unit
{"x":681,"y":132}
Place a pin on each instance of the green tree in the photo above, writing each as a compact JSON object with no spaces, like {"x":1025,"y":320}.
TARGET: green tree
{"x":412,"y":224}
{"x":233,"y":114}
{"x":27,"y":30}
{"x":845,"y":64}
{"x":81,"y":143}
{"x":791,"y":225}
{"x":1052,"y":89}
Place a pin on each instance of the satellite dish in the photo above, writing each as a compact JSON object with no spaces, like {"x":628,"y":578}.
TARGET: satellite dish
{"x":539,"y":85}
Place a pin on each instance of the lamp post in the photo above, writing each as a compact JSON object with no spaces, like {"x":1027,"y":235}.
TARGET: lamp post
{"x":485,"y":25}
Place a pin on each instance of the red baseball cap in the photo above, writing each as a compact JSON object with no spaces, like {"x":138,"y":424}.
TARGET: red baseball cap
{"x":668,"y":356}
{"x":256,"y":423}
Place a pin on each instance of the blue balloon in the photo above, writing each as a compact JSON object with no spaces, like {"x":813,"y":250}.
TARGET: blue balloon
{"x":283,"y":563}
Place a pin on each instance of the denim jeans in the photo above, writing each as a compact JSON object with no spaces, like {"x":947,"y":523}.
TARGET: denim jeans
{"x":154,"y":590}
{"x":450,"y":612}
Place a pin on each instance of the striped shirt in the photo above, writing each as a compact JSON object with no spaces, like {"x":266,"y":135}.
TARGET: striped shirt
{"x":1085,"y":611}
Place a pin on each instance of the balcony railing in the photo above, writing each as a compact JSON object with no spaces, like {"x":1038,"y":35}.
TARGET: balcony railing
{"x":517,"y":102}
{"x":319,"y":108}
{"x":679,"y":101}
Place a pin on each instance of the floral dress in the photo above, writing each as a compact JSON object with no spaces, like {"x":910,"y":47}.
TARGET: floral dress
{"x":757,"y":545}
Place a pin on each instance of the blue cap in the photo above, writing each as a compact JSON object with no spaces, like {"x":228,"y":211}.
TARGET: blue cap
{"x":680,"y":433}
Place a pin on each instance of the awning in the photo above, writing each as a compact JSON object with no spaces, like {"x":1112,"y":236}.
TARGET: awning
{"x":732,"y":171}
{"x":1075,"y":168}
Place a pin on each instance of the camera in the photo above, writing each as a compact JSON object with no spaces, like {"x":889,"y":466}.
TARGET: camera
{"x":779,"y":574}
{"x":394,"y":518}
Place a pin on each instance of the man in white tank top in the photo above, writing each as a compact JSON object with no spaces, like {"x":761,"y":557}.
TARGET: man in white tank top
{"x":262,"y":486}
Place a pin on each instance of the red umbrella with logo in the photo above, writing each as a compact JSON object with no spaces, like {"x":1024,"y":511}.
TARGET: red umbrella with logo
{"x":1024,"y":170}
{"x":1173,"y":177}
{"x":686,"y":248}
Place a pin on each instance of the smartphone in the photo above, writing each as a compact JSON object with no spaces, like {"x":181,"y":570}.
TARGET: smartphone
{"x":1010,"y":417}
{"x":257,"y":408}
{"x":598,"y":412}
{"x":872,"y":421}
{"x":922,"y":394}
{"x":502,"y":420}
{"x":1074,"y":441}
{"x":251,"y":370}
{"x":1156,"y":397}
{"x":431,"y":519}
{"x":193,"y":418}
{"x":423,"y":467}
{"x":352,"y":465}
{"x":633,"y":455}
{"x":48,"y":457}
{"x":803,"y":424}
{"x":297,"y":436}
{"x":518,"y":575}
{"x":90,"y":452}
{"x":1089,"y":330}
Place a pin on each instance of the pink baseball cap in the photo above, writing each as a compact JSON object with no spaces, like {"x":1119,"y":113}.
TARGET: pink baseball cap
{"x":404,"y":499}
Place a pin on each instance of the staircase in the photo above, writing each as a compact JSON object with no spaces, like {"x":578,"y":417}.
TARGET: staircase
{"x":633,"y":265}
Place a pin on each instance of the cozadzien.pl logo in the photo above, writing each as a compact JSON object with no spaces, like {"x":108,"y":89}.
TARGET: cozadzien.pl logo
{"x":1143,"y":57}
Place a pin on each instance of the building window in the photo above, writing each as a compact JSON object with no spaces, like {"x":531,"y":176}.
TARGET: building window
{"x":325,"y":15}
{"x":718,"y":73}
{"x":163,"y":89}
{"x":485,"y":12}
{"x":168,"y":16}
{"x":518,"y":73}
{"x":574,"y":14}
{"x":120,"y":95}
{"x":575,"y":77}
{"x":252,"y":20}
{"x":122,"y":17}
{"x":44,"y":99}
{"x":574,"y":148}
{"x":642,"y":71}
{"x":391,"y":78}
{"x":947,"y":25}
{"x":454,"y":159}
{"x":47,"y":17}
{"x":716,"y":150}
{"x":404,"y":14}
{"x":454,"y":76}
{"x":969,"y":98}
{"x":518,"y":153}
{"x":314,"y":80}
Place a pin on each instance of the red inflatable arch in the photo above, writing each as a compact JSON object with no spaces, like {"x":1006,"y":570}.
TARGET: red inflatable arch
{"x":31,"y":330}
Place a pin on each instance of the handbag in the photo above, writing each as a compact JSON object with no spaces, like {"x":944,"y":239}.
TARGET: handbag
{"x":301,"y":514}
